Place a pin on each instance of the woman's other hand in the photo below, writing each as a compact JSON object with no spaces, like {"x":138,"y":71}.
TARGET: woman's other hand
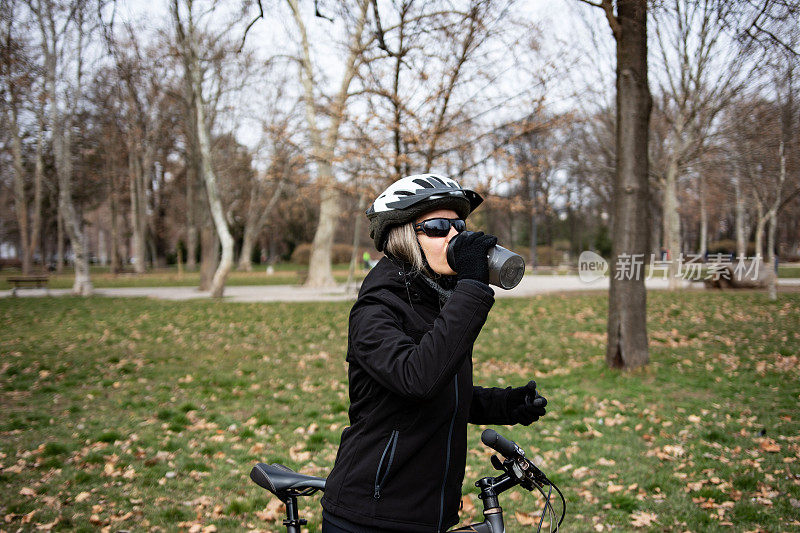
{"x":525,"y":405}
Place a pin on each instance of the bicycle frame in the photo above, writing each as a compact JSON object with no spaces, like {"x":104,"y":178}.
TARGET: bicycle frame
{"x":491,"y":488}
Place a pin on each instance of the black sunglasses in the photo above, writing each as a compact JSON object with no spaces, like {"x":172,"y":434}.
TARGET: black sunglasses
{"x":440,"y":227}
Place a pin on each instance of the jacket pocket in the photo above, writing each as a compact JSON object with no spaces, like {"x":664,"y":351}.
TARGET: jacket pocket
{"x":385,"y":464}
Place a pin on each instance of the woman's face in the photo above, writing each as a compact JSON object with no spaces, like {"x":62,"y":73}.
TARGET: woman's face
{"x":435,"y":248}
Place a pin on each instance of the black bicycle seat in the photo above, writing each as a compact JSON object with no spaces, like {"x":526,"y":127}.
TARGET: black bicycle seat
{"x":284,"y":482}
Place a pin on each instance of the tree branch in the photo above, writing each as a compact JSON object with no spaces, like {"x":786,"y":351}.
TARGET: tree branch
{"x":608,"y":8}
{"x":318,"y":14}
{"x":379,"y":30}
{"x":260,"y":16}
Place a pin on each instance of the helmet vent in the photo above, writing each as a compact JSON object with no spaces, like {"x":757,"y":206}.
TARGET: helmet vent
{"x":404,"y":193}
{"x":423,"y":183}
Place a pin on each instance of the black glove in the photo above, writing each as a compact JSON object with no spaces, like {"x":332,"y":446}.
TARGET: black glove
{"x":524,"y":404}
{"x":469,"y":255}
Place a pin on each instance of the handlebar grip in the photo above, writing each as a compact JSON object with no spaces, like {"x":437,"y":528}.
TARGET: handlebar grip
{"x":507,"y":448}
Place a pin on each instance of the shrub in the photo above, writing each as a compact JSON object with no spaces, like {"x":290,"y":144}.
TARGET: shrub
{"x":545,"y":255}
{"x":728,"y":246}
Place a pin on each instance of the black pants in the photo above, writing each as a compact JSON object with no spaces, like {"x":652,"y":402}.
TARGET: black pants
{"x":342,"y":526}
{"x":327,"y":527}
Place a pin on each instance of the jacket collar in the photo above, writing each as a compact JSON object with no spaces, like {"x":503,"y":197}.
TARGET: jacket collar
{"x":398,"y":276}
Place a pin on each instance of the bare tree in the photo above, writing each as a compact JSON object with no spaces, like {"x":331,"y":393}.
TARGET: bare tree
{"x":20,"y":90}
{"x":627,"y":313}
{"x":532,"y":152}
{"x":697,"y":81}
{"x":15,"y":80}
{"x":763,"y":24}
{"x":770,"y":33}
{"x":141,"y":86}
{"x":280,"y":153}
{"x":258,"y":212}
{"x":62,"y":26}
{"x":189,"y":44}
{"x":324,"y":139}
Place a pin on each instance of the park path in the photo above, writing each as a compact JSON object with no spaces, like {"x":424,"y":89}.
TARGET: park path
{"x":529,"y":286}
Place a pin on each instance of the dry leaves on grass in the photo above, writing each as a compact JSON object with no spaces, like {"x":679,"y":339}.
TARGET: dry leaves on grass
{"x":194,"y":527}
{"x":274,"y":511}
{"x":530,"y":519}
{"x":580,"y":472}
{"x":769,"y":445}
{"x":468,"y":510}
{"x":643,"y":518}
{"x":668,"y":452}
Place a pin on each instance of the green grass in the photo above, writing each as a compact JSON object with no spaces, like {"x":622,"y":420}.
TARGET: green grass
{"x":285,"y":274}
{"x":135,"y":413}
{"x":792,"y":271}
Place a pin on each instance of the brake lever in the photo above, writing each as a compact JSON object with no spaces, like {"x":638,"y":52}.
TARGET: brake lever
{"x":498,"y":464}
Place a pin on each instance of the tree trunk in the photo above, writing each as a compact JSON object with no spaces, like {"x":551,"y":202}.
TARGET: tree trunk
{"x":192,"y":196}
{"x":656,"y":227}
{"x":209,"y":253}
{"x":59,"y":241}
{"x":191,"y":247}
{"x":354,"y":256}
{"x":672,"y":222}
{"x":38,"y":181}
{"x":102,"y":249}
{"x":114,"y":207}
{"x":772,"y":215}
{"x":759,"y":236}
{"x":246,"y":254}
{"x":739,"y":214}
{"x":82,"y":285}
{"x":319,"y":264}
{"x":210,"y":179}
{"x":703,"y":245}
{"x":138,"y":225}
{"x":627,"y":315}
{"x":534,"y":222}
{"x":534,"y":239}
{"x":255,"y":223}
{"x":20,"y":200}
{"x":772,"y":275}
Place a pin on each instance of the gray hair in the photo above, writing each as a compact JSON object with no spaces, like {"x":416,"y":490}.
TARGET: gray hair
{"x":402,"y":243}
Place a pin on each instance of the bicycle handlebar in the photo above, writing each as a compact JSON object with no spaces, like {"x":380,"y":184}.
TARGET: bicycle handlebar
{"x":507,"y":448}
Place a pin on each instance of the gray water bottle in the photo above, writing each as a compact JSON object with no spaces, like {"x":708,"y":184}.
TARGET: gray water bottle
{"x":505,"y":267}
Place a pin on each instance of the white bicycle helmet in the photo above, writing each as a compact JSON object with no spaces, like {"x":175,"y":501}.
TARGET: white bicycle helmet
{"x":408,"y":198}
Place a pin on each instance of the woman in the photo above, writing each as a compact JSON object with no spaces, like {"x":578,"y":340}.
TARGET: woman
{"x":400,"y":464}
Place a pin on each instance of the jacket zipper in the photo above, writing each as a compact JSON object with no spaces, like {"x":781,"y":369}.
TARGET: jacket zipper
{"x":447,"y":461}
{"x":390,"y":447}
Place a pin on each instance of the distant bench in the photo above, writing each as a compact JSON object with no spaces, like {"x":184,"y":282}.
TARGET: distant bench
{"x":26,"y":281}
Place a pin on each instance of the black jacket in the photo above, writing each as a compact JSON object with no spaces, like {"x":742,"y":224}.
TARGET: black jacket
{"x":400,"y":464}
